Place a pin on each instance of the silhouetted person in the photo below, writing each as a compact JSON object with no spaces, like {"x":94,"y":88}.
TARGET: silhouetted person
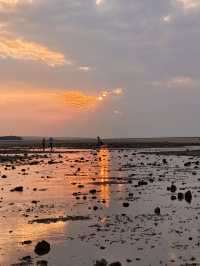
{"x":51,"y":143}
{"x":99,"y":142}
{"x":43,"y":144}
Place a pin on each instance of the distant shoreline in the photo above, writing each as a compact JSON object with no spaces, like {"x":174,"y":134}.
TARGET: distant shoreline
{"x":83,"y":143}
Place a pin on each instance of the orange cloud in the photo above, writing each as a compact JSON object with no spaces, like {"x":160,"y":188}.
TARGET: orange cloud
{"x":80,"y":100}
{"x":22,"y":49}
{"x":7,"y":4}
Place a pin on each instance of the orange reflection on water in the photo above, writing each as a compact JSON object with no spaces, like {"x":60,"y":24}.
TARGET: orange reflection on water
{"x":22,"y":231}
{"x":104,"y":174}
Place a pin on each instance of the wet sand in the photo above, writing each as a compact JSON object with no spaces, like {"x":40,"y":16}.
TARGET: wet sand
{"x":122,"y":205}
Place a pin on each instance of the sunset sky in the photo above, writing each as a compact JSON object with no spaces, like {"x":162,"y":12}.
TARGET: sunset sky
{"x":115,"y":68}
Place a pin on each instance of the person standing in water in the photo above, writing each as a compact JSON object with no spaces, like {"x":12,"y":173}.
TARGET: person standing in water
{"x":51,"y":143}
{"x":99,"y":142}
{"x":43,"y":144}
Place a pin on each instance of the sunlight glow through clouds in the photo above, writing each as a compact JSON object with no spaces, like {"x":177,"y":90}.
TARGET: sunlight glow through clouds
{"x":80,"y":100}
{"x":99,"y":2}
{"x":22,"y":49}
{"x":167,"y":19}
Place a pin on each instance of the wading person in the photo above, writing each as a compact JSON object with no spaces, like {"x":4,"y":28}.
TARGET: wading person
{"x":43,"y":144}
{"x":99,"y":142}
{"x":51,"y":144}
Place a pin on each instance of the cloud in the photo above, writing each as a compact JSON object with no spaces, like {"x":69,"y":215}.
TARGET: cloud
{"x":189,"y":4}
{"x":80,"y":100}
{"x":99,"y":2}
{"x":6,"y":5}
{"x":85,"y":68}
{"x":181,"y":82}
{"x":117,"y":113}
{"x":167,"y":19}
{"x":176,"y":82}
{"x":21,"y":49}
{"x":113,"y":92}
{"x":118,"y":91}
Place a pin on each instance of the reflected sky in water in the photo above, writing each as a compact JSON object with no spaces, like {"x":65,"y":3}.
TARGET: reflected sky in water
{"x":113,"y":232}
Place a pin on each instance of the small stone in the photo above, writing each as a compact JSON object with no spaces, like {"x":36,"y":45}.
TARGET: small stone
{"x":164,"y":161}
{"x":180,"y":196}
{"x":157,"y":210}
{"x":173,"y":188}
{"x":173,"y":197}
{"x":93,"y":191}
{"x":115,"y":264}
{"x":26,"y":242}
{"x":42,"y":263}
{"x":102,"y":262}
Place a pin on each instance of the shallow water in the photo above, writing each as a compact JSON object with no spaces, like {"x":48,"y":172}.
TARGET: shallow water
{"x":113,"y":232}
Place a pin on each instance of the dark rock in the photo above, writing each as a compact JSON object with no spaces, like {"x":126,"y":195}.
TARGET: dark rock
{"x":42,"y":263}
{"x":142,"y":183}
{"x":26,"y":242}
{"x":17,"y":189}
{"x":188,"y":196}
{"x":187,"y":164}
{"x":180,"y":196}
{"x":164,"y":161}
{"x":173,"y":197}
{"x":42,"y":248}
{"x":173,"y":188}
{"x":157,"y":210}
{"x":126,"y":204}
{"x":93,"y":191}
{"x":102,"y":262}
{"x":115,"y":264}
{"x":27,"y":258}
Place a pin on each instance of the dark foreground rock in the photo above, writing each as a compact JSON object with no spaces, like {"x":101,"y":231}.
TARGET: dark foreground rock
{"x":102,"y":262}
{"x":17,"y":189}
{"x":115,"y":264}
{"x":188,"y":196}
{"x":42,"y":248}
{"x":157,"y":210}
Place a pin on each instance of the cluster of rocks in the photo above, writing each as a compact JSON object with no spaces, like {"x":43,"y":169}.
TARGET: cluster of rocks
{"x":187,"y":195}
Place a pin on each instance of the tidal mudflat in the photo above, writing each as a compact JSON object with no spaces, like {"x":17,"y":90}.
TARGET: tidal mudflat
{"x":100,"y":207}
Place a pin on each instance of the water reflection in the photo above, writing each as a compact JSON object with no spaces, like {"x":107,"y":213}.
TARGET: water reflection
{"x":104,"y":156}
{"x":22,"y":231}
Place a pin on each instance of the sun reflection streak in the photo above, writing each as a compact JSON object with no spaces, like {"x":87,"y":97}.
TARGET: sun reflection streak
{"x":104,"y":174}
